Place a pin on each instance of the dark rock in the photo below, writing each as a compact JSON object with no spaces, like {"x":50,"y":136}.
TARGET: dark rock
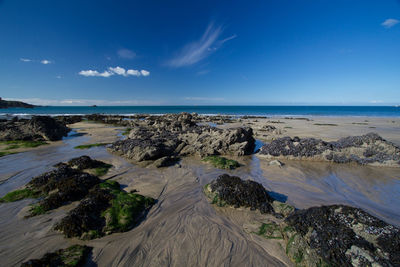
{"x":347,"y":236}
{"x":239,"y":193}
{"x":75,"y":255}
{"x":62,"y":185}
{"x":85,"y":162}
{"x":365,"y":149}
{"x":86,"y":217}
{"x":69,"y":119}
{"x":39,"y":128}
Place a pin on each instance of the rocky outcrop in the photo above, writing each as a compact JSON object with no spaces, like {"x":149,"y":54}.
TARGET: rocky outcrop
{"x":105,"y":210}
{"x":39,"y":128}
{"x":233,"y":191}
{"x":75,"y":255}
{"x":346,"y":236}
{"x":365,"y":149}
{"x":175,"y":135}
{"x":336,"y":235}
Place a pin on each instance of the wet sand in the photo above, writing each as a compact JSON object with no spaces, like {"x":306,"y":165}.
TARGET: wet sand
{"x":183,"y":229}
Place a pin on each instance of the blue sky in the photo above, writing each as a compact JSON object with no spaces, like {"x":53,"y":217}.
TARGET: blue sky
{"x":200,"y":52}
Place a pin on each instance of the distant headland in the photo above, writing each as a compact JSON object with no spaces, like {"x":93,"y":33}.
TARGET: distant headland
{"x":14,"y":104}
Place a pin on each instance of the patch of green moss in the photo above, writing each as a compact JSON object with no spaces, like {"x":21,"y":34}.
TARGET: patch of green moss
{"x":126,"y":209}
{"x":37,"y":210}
{"x":5,"y":153}
{"x":325,"y":124}
{"x":110,"y":184}
{"x":19,"y":194}
{"x":270,"y":231}
{"x":127,"y":131}
{"x":22,"y":144}
{"x":222,"y":163}
{"x":100,"y":171}
{"x":91,"y":145}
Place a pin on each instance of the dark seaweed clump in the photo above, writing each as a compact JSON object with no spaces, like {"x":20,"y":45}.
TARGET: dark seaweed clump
{"x":75,"y":255}
{"x":237,"y":192}
{"x":336,"y":229}
{"x":105,"y":210}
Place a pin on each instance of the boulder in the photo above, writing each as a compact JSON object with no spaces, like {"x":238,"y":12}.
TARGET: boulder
{"x":365,"y":149}
{"x":39,"y":128}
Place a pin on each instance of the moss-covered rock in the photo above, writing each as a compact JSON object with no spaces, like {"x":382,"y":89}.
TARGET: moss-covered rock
{"x":222,"y":163}
{"x":72,"y":256}
{"x":105,"y":210}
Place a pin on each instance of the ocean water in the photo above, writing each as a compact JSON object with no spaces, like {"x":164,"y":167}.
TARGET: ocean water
{"x":370,"y":111}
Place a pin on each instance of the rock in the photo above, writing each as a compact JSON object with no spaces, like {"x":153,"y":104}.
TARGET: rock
{"x":39,"y":128}
{"x":347,"y":236}
{"x":276,"y":163}
{"x":75,"y":255}
{"x":60,"y":187}
{"x":85,"y":162}
{"x":177,"y":135}
{"x":365,"y":149}
{"x":165,"y":161}
{"x":69,"y":119}
{"x":105,"y":210}
{"x":232,"y":190}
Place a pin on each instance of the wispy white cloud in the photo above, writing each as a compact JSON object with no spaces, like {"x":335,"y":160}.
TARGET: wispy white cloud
{"x":86,"y":102}
{"x":389,"y":23}
{"x":126,"y":53}
{"x":199,"y":50}
{"x":45,"y":61}
{"x":25,"y":59}
{"x":202,"y":72}
{"x":145,"y":73}
{"x":114,"y":71}
{"x":376,"y":101}
{"x":95,"y":73}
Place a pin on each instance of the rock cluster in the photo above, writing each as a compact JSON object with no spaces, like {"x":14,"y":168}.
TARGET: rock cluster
{"x":175,"y":135}
{"x":39,"y":128}
{"x":335,"y":235}
{"x":61,"y":186}
{"x":365,"y":149}
{"x":232,"y":190}
{"x":347,"y":236}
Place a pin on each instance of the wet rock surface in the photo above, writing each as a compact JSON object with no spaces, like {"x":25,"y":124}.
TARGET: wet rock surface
{"x":61,"y":186}
{"x":39,"y":128}
{"x":365,"y":149}
{"x":232,"y":190}
{"x":105,"y":210}
{"x":346,"y":236}
{"x":176,"y":135}
{"x":85,"y":162}
{"x":75,"y":255}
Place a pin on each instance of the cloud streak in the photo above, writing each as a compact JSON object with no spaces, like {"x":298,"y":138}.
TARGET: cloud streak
{"x":43,"y":61}
{"x":389,"y":23}
{"x":199,"y":50}
{"x":114,"y":71}
{"x":126,"y":53}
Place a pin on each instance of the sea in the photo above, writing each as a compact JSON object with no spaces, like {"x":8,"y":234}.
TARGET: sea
{"x":267,"y":111}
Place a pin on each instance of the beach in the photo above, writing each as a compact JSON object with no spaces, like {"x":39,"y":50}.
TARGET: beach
{"x":182,"y":228}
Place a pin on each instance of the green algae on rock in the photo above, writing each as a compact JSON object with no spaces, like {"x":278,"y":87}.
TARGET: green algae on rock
{"x":222,"y":162}
{"x":72,"y":256}
{"x":106,"y":209}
